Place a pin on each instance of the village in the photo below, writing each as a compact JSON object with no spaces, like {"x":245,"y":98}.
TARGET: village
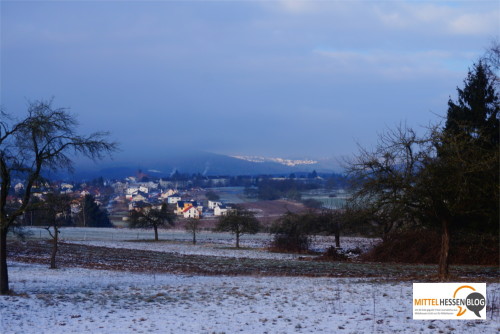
{"x":188,"y":197}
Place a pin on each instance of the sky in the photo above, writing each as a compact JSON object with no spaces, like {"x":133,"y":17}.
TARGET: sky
{"x":290,"y":79}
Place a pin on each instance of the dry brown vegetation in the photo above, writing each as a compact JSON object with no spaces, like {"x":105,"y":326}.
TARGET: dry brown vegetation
{"x":76,"y":255}
{"x":424,"y":247}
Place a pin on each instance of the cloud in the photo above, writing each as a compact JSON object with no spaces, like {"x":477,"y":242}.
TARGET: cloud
{"x":244,"y":76}
{"x":299,"y":6}
{"x":392,"y":64}
{"x":475,"y":23}
{"x":442,"y":18}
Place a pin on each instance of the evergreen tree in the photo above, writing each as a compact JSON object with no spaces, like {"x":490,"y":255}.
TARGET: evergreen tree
{"x":92,"y":215}
{"x":447,"y":179}
{"x":475,"y":113}
{"x":465,"y":175}
{"x":471,"y":136}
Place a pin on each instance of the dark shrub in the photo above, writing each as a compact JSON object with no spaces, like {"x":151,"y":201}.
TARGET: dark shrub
{"x":423,"y":246}
{"x":291,"y":233}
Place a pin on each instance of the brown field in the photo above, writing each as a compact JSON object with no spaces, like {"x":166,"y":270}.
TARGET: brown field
{"x":133,"y":260}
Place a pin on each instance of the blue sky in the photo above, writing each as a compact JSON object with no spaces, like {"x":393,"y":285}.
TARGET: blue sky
{"x":291,"y":79}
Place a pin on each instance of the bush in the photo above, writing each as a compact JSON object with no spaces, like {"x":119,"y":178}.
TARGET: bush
{"x":291,"y":234}
{"x":289,"y":242}
{"x":424,"y":246}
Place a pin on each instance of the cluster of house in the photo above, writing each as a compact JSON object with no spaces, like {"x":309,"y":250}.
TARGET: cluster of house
{"x":40,"y":190}
{"x":137,"y":196}
{"x":140,"y":196}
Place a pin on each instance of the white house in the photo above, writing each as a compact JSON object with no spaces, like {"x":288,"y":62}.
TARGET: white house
{"x":138,"y":206}
{"x":191,"y":212}
{"x":168,"y":193}
{"x":221,"y":210}
{"x":182,"y":205}
{"x":75,"y":207}
{"x":144,"y":189}
{"x":38,"y":195}
{"x":173,"y":199}
{"x":151,"y":184}
{"x":139,"y":198}
{"x":66,"y":188}
{"x":213,"y":204}
{"x":18,"y":187}
{"x":119,"y":186}
{"x":132,"y":190}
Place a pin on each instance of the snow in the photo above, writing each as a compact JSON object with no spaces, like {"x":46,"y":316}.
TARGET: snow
{"x":253,"y":248}
{"x":74,"y":300}
{"x":208,"y":243}
{"x":207,"y":249}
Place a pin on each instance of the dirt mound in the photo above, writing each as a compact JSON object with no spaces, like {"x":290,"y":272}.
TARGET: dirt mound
{"x":332,"y":254}
{"x":424,"y":247}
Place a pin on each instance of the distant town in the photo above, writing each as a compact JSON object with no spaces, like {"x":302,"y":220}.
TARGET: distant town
{"x":104,"y":203}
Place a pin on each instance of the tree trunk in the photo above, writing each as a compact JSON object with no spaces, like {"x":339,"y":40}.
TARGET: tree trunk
{"x":54,"y":248}
{"x":84,"y":213}
{"x":4,"y":277}
{"x":194,"y":237}
{"x":156,"y":232}
{"x":237,"y":240}
{"x":443,"y":271}
{"x":337,"y":235}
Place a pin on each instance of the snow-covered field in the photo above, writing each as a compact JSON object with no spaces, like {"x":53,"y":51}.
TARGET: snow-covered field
{"x":73,"y":300}
{"x":252,"y":248}
{"x":76,"y":300}
{"x":259,"y":240}
{"x":208,"y":243}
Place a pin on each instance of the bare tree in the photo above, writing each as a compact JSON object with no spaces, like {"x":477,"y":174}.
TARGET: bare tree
{"x":44,"y":140}
{"x":436,"y":180}
{"x":384,"y":177}
{"x":238,"y":221}
{"x":492,"y":59}
{"x":152,"y":217}
{"x":193,"y":226}
{"x":330,"y":221}
{"x":56,"y":212}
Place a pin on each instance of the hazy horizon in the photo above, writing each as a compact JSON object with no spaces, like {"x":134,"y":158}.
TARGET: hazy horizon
{"x":289,"y":79}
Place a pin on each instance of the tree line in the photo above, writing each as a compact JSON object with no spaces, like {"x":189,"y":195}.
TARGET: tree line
{"x":88,"y":213}
{"x":445,"y":179}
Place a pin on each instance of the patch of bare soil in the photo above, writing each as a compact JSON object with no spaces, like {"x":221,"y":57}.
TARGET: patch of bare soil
{"x":76,"y":255}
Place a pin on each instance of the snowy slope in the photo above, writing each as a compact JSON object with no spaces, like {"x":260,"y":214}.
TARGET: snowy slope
{"x":76,"y":300}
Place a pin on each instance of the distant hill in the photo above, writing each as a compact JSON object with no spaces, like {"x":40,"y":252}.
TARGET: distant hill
{"x":205,"y":163}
